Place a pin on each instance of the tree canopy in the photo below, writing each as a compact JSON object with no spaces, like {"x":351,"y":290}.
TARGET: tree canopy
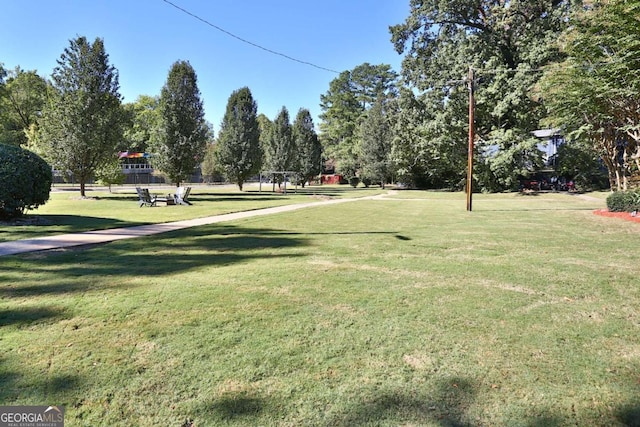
{"x":507,"y":41}
{"x":144,"y":122}
{"x":21,"y":105}
{"x":595,"y":93}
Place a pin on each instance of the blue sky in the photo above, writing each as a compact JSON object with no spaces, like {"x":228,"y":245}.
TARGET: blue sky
{"x":145,"y":37}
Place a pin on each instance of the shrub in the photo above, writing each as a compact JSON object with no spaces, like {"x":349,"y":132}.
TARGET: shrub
{"x":354,"y":181}
{"x":25,"y":181}
{"x":624,"y":201}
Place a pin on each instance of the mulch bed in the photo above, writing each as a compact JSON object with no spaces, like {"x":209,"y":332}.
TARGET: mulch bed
{"x":622,"y":215}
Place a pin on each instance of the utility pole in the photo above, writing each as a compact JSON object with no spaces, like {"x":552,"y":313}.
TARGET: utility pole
{"x":471,"y":138}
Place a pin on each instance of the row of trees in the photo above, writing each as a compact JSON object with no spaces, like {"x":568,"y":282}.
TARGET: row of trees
{"x":560,"y":63}
{"x":249,"y":143}
{"x":78,"y":123}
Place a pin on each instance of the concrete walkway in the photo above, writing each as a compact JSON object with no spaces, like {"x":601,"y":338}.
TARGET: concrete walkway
{"x":110,"y":235}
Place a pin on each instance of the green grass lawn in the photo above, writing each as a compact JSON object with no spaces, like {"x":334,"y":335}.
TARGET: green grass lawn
{"x":407,"y":311}
{"x":66,"y":212}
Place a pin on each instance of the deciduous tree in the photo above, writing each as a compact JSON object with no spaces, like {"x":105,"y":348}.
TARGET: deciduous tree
{"x":144,"y":123}
{"x":82,"y":122}
{"x":280,"y":149}
{"x":376,"y":135}
{"x":182,"y":138}
{"x":22,"y":104}
{"x":308,"y":147}
{"x":507,"y":41}
{"x":239,"y":152}
{"x":595,"y":94}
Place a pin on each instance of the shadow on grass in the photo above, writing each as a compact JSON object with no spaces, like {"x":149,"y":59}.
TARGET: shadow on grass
{"x":536,"y":209}
{"x":23,"y":316}
{"x":235,"y":408}
{"x":72,"y":270}
{"x":629,"y":415}
{"x":447,"y":406}
{"x":57,"y":224}
{"x":18,"y":388}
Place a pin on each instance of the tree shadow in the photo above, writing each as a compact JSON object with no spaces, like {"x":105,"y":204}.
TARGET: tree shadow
{"x":235,"y":407}
{"x":446,"y":407}
{"x":56,"y":224}
{"x":22,"y":316}
{"x":44,"y":388}
{"x":629,"y":415}
{"x":172,"y":252}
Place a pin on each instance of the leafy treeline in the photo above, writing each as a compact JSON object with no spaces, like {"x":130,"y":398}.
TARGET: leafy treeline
{"x":595,"y":92}
{"x":567,"y":64}
{"x":510,"y":45}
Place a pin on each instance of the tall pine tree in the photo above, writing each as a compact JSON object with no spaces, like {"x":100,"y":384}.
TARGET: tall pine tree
{"x":82,"y":122}
{"x":239,"y":152}
{"x":183,"y":130}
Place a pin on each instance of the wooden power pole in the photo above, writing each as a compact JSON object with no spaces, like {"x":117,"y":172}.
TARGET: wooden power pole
{"x":471,"y":138}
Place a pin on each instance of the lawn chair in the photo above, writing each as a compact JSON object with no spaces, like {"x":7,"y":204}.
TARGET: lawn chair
{"x":182,"y":196}
{"x":144,"y":198}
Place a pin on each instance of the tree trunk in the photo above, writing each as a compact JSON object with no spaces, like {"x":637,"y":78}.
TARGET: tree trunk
{"x":82,"y":189}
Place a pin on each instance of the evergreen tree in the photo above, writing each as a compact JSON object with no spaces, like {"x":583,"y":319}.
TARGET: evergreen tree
{"x":239,"y":152}
{"x":376,"y":137}
{"x":308,"y":148}
{"x":344,"y":105}
{"x":183,"y":130}
{"x":82,"y":122}
{"x":280,"y":148}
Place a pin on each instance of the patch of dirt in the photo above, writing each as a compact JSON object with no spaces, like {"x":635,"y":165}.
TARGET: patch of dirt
{"x":321,"y":197}
{"x":621,"y":215}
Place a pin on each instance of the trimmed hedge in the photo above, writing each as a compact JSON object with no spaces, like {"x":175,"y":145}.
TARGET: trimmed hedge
{"x":25,"y":181}
{"x":624,"y":201}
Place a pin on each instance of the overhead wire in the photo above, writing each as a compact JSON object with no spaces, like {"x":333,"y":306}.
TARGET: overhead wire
{"x":256,"y":45}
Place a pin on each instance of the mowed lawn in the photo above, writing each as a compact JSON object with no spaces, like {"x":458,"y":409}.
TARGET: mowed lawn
{"x":405,"y":311}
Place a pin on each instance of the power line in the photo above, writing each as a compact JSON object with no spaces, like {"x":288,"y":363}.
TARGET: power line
{"x":247,"y":41}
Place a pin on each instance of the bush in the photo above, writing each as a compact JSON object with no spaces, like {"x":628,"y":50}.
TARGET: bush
{"x":354,"y":181}
{"x":25,"y":181}
{"x":624,"y":201}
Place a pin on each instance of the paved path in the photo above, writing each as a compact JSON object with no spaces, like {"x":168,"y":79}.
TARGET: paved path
{"x":110,"y":235}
